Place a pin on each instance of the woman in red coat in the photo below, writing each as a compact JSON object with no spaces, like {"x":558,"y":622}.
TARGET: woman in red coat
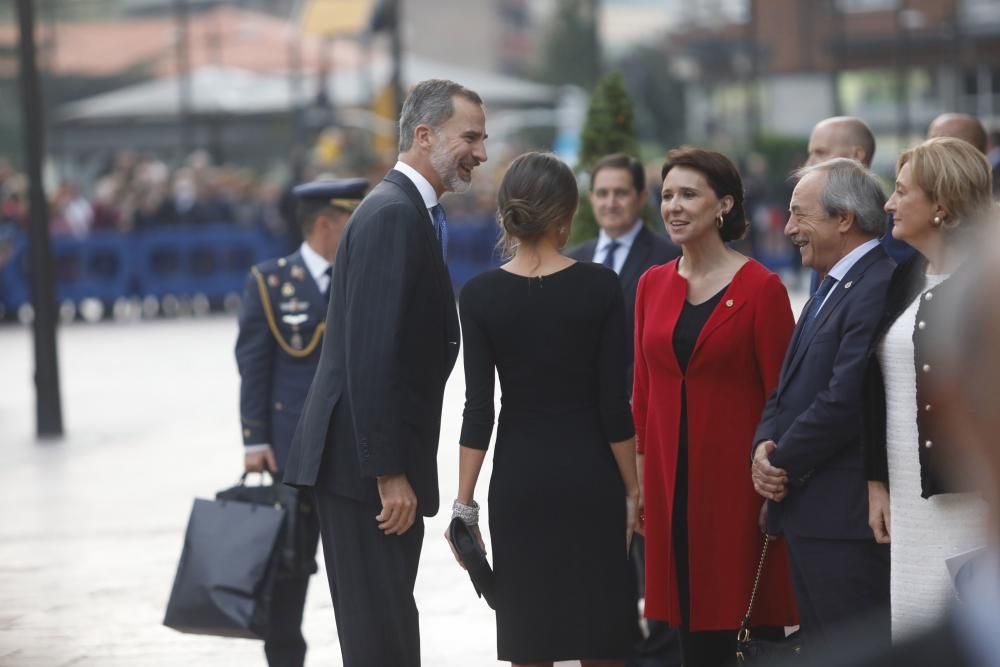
{"x":711,"y":331}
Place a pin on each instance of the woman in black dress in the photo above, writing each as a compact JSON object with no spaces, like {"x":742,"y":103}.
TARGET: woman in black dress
{"x":564,"y":495}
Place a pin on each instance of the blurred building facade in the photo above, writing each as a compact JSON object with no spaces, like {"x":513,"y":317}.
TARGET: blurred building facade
{"x":778,"y":66}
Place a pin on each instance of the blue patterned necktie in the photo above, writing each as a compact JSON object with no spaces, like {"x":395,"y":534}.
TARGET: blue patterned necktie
{"x":609,"y":256}
{"x":441,"y":229}
{"x":817,"y":301}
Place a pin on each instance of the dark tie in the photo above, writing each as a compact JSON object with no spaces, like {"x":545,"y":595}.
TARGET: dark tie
{"x":441,"y":229}
{"x":815,"y":303}
{"x":329,"y":280}
{"x":609,"y":255}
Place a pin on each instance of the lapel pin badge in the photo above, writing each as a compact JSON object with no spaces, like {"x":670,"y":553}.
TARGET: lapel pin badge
{"x":848,"y":284}
{"x":729,"y":303}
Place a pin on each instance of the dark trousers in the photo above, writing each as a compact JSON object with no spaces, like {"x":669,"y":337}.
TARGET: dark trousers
{"x":838,"y":582}
{"x":371,"y":583}
{"x":284,"y":645}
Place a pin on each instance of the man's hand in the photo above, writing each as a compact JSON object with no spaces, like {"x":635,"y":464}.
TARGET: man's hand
{"x":399,"y":504}
{"x":260,"y":460}
{"x":768,"y":481}
{"x":878,"y":511}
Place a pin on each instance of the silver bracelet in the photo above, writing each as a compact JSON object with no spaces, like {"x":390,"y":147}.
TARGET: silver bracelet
{"x":469,"y":514}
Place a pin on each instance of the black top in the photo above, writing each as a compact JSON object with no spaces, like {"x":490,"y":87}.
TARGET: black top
{"x":557,"y":342}
{"x":692,"y":320}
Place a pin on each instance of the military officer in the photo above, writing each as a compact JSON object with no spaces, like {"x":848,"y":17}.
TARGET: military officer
{"x":282,"y":320}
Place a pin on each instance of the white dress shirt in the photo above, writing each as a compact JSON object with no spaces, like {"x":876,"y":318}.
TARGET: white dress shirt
{"x":625,"y":242}
{"x":316,"y":264}
{"x":424,"y":187}
{"x":845,"y":264}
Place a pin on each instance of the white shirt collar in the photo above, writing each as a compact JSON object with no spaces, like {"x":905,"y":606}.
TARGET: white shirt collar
{"x":625,"y":240}
{"x":846,"y":262}
{"x":315,"y":263}
{"x":424,"y":187}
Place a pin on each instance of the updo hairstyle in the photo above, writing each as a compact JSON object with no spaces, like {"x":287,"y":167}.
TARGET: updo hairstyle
{"x":537,"y":193}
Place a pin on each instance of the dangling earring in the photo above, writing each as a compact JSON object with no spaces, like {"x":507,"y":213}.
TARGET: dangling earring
{"x":719,"y":221}
{"x":937,"y":221}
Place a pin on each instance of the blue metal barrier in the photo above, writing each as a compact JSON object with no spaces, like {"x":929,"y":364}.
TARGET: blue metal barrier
{"x":187,"y":260}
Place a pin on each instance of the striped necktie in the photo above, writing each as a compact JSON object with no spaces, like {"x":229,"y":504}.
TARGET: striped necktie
{"x":441,"y":229}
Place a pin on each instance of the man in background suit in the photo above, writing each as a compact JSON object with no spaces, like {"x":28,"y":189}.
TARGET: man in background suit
{"x":277,"y":351}
{"x":367,"y":440}
{"x":624,"y":243}
{"x":847,"y":136}
{"x":807,"y":456}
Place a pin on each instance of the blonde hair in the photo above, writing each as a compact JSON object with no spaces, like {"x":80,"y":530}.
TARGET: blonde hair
{"x":953,"y":174}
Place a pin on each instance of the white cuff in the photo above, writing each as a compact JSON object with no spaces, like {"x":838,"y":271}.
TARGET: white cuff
{"x":250,"y":449}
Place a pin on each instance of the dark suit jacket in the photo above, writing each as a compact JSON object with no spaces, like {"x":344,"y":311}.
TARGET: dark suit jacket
{"x":648,"y":250}
{"x":815,"y":413}
{"x":277,"y":350}
{"x":392,"y":338}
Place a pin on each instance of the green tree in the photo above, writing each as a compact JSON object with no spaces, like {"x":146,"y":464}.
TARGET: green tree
{"x":609,"y":128}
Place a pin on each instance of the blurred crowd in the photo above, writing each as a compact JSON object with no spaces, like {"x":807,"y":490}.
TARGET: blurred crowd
{"x":138,"y":192}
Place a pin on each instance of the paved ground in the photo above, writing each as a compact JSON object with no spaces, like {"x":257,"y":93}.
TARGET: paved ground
{"x":91,"y":526}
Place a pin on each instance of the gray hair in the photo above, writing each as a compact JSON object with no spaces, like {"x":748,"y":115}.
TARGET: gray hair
{"x":430,"y":103}
{"x":851,"y":188}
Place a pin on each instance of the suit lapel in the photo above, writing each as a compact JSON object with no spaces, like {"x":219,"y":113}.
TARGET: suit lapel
{"x":441,"y":270}
{"x":732,"y":301}
{"x":637,"y":254}
{"x":800,"y":341}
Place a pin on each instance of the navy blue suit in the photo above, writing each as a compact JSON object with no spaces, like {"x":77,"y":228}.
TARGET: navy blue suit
{"x":281,"y":327}
{"x":814,"y":416}
{"x":374,"y":409}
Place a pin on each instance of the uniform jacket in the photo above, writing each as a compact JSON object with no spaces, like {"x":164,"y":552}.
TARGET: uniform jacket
{"x":281,"y":326}
{"x":374,"y":407}
{"x":648,"y":249}
{"x":815,"y":414}
{"x":733,"y":368}
{"x":931,"y":446}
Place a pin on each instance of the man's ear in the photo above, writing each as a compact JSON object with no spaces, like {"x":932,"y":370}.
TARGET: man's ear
{"x":423,"y":136}
{"x":846,"y":220}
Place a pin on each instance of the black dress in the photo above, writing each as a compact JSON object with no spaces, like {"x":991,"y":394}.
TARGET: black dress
{"x":556,"y":499}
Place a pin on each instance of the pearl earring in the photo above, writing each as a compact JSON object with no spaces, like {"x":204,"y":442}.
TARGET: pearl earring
{"x":936,"y":221}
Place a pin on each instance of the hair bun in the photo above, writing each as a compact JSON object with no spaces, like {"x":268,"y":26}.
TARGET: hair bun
{"x":519,"y":218}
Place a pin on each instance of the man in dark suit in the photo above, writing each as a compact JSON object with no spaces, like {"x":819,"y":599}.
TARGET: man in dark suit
{"x":367,"y":440}
{"x":807,"y":456}
{"x":617,"y":196}
{"x":624,"y":243}
{"x":277,"y":351}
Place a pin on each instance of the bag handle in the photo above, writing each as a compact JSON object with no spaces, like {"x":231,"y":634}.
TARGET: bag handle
{"x":266,"y":470}
{"x":744,"y":633}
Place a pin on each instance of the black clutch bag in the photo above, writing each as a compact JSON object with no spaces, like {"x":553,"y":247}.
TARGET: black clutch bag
{"x":750,"y":651}
{"x":474,"y":559}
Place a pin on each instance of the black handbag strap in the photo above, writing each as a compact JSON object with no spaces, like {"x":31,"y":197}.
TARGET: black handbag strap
{"x":744,"y":633}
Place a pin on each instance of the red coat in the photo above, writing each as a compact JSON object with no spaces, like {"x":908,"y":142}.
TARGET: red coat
{"x":734,"y":367}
